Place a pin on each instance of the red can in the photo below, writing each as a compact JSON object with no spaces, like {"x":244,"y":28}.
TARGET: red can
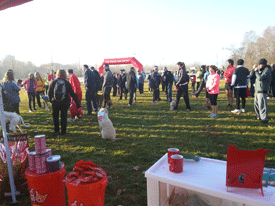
{"x":32,"y":166}
{"x":48,"y":153}
{"x":172,"y":151}
{"x":40,"y":164}
{"x":176,"y":164}
{"x":40,"y":144}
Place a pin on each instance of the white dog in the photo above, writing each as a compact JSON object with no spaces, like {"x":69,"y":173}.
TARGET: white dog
{"x":172,"y":105}
{"x":107,"y":130}
{"x":15,"y":120}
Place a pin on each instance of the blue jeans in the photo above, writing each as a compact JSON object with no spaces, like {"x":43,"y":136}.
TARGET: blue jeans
{"x":169,"y":92}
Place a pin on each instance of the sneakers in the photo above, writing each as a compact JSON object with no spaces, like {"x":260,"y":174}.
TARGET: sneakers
{"x":243,"y":110}
{"x":236,"y":111}
{"x":212,"y":115}
{"x":71,"y":120}
{"x":129,"y":105}
{"x":188,"y":110}
{"x":155,"y":102}
{"x":30,"y":110}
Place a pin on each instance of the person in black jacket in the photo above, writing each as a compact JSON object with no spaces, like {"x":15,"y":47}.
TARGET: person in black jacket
{"x":115,"y":84}
{"x":61,"y":104}
{"x":252,"y":80}
{"x":169,"y":84}
{"x":182,"y":86}
{"x":121,"y":83}
{"x":272,"y":85}
{"x":91,"y":81}
{"x":154,"y":84}
{"x":131,"y":84}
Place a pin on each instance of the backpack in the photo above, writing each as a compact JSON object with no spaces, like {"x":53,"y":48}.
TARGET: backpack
{"x":59,"y":91}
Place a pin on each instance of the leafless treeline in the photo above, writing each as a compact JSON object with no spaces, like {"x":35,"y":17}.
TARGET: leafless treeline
{"x":255,"y":47}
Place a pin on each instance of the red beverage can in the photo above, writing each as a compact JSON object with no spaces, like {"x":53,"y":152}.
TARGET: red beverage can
{"x":176,"y":164}
{"x":48,"y":153}
{"x":40,"y":164}
{"x":32,"y":166}
{"x":40,"y":144}
{"x":172,"y":151}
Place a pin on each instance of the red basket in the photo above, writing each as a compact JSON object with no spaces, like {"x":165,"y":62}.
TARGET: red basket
{"x":245,"y":168}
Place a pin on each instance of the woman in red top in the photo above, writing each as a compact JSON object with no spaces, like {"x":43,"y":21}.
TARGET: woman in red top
{"x":228,"y":77}
{"x":213,"y":89}
{"x":77,"y":90}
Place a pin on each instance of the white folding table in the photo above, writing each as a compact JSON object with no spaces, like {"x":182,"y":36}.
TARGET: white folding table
{"x":208,"y":176}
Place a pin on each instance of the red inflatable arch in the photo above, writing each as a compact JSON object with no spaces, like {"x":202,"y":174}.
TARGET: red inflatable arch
{"x":4,"y":4}
{"x":117,"y":61}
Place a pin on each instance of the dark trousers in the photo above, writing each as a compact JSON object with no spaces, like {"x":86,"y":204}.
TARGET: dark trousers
{"x":252,"y":90}
{"x":156,"y":94}
{"x":183,"y":90}
{"x":240,"y":93}
{"x":140,"y":88}
{"x":46,"y":89}
{"x":202,"y":85}
{"x":63,"y":110}
{"x":193,"y":87}
{"x":163,"y":87}
{"x":90,"y":97}
{"x":273,"y":89}
{"x":31,"y":100}
{"x":114,"y":90}
{"x":123,"y":90}
{"x":37,"y":95}
{"x":131,"y":91}
{"x":169,"y":92}
{"x":106,"y":95}
{"x":198,"y":85}
{"x":11,"y":108}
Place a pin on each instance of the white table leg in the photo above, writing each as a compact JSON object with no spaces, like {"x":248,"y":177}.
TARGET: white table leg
{"x":153,"y":192}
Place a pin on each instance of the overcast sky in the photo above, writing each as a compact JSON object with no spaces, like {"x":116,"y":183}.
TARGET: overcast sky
{"x":154,"y":31}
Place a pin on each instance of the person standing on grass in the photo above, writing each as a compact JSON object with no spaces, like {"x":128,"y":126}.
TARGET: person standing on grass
{"x":107,"y":85}
{"x":240,"y":81}
{"x":150,"y":79}
{"x":30,"y":86}
{"x":169,"y":80}
{"x":207,"y":99}
{"x":262,"y":83}
{"x":201,"y":81}
{"x":199,"y":77}
{"x":59,"y":92}
{"x":75,"y":83}
{"x":141,"y":82}
{"x":131,"y":84}
{"x":91,"y":86}
{"x":213,"y":89}
{"x":114,"y":85}
{"x":155,"y":82}
{"x":121,"y":82}
{"x":228,"y":78}
{"x":40,"y":90}
{"x":47,"y":83}
{"x":12,"y":92}
{"x":182,"y":86}
{"x":193,"y":80}
{"x":252,"y":80}
{"x":97,"y":77}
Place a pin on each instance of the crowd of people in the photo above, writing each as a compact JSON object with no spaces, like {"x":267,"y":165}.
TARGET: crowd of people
{"x":63,"y":89}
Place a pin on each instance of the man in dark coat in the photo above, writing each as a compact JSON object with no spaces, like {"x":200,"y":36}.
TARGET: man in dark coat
{"x":107,"y":84}
{"x":91,"y":82}
{"x":169,"y":85}
{"x":131,"y":84}
{"x":154,"y":84}
{"x":121,"y":83}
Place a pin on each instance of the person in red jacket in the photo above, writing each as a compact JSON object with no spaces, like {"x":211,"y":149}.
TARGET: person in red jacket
{"x":75,"y":113}
{"x":228,"y":78}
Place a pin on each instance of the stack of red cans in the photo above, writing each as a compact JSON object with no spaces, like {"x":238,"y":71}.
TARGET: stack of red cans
{"x":37,"y":159}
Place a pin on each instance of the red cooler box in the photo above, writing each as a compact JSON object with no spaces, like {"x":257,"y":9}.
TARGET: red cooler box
{"x":47,"y":189}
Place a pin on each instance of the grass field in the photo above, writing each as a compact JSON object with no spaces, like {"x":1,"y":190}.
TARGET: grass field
{"x":147,"y":130}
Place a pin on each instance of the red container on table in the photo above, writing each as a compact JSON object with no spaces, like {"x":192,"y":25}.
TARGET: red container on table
{"x":176,"y":163}
{"x":172,"y":151}
{"x":40,"y":164}
{"x":47,"y":189}
{"x":31,"y":156}
{"x":40,"y":144}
